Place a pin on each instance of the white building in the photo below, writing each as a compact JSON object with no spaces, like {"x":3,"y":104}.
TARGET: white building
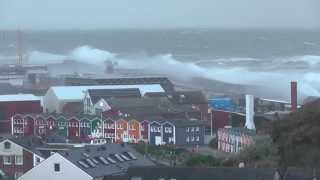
{"x":57,"y":96}
{"x":88,"y":163}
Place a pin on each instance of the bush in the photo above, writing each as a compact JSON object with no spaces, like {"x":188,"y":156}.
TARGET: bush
{"x":202,"y":161}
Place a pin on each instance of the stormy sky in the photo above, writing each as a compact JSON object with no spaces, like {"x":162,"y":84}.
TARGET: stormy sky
{"x":114,"y":14}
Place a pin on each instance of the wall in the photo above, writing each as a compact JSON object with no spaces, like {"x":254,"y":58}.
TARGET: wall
{"x":15,"y":150}
{"x":19,"y":107}
{"x":45,"y":170}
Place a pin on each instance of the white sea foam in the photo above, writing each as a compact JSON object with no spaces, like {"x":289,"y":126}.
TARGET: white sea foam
{"x":167,"y":65}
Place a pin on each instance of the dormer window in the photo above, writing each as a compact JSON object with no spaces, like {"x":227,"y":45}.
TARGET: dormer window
{"x":7,"y":145}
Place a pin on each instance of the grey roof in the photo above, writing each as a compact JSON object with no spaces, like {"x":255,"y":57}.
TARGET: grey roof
{"x":97,"y":94}
{"x":165,"y":83}
{"x":88,"y":159}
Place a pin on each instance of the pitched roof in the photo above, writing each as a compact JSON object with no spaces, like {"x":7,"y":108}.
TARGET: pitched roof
{"x":77,"y":92}
{"x":100,"y":161}
{"x":30,"y":143}
{"x":97,"y":94}
{"x":18,"y":97}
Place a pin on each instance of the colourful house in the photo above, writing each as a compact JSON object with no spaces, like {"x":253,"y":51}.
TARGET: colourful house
{"x":73,"y":127}
{"x":144,"y":130}
{"x":62,"y":126}
{"x":40,"y":125}
{"x":29,"y":124}
{"x":51,"y":120}
{"x":122,"y":131}
{"x":109,"y":130}
{"x":17,"y":125}
{"x":134,"y":131}
{"x":96,"y":127}
{"x":85,"y":128}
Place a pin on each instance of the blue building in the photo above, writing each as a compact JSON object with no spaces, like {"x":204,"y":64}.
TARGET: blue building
{"x":224,"y":103}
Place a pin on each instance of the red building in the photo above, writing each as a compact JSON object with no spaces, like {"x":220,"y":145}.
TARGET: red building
{"x":220,"y":119}
{"x":74,"y":128}
{"x":16,"y":104}
{"x":144,"y":130}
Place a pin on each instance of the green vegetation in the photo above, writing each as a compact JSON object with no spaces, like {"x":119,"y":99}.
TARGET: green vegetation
{"x":298,"y":138}
{"x":202,"y":161}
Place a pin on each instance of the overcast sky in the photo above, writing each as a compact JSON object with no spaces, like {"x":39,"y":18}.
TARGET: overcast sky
{"x":113,"y":14}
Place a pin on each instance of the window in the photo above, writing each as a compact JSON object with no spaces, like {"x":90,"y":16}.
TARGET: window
{"x":7,"y":160}
{"x":161,"y":179}
{"x":159,"y":129}
{"x":192,"y":129}
{"x":187,"y":139}
{"x":197,"y":129}
{"x":37,"y":160}
{"x":19,"y":160}
{"x":187,"y":130}
{"x":198,"y":138}
{"x":192,"y":139}
{"x":57,"y":167}
{"x":7,"y":145}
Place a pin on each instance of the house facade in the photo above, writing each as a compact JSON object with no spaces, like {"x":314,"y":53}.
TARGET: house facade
{"x":109,"y":161}
{"x":16,"y":104}
{"x":121,"y":131}
{"x":15,"y":159}
{"x":233,"y":140}
{"x":134,"y":131}
{"x":155,"y":134}
{"x":87,"y":128}
{"x":189,"y":133}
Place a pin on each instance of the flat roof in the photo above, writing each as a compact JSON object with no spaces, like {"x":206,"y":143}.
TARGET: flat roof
{"x":77,"y":92}
{"x":19,"y":97}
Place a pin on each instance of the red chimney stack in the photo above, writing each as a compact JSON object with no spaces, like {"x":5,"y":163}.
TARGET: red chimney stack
{"x":294,"y":98}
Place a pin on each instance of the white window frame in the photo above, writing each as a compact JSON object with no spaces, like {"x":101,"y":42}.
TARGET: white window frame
{"x":7,"y":161}
{"x":187,"y":139}
{"x":187,"y":129}
{"x":197,"y":129}
{"x":16,"y":160}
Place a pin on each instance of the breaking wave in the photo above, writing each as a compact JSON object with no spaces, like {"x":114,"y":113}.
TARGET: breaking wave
{"x":238,"y":73}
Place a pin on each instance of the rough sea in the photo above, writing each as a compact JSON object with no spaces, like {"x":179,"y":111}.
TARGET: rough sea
{"x":266,"y":59}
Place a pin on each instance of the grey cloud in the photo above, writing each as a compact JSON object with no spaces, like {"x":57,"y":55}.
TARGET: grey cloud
{"x":109,"y":14}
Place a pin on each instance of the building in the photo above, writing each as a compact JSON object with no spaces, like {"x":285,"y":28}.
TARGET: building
{"x":17,"y":103}
{"x":223,"y":103}
{"x":17,"y":156}
{"x":57,"y":96}
{"x":96,"y":99}
{"x":233,"y":140}
{"x":165,"y":83}
{"x":110,"y":161}
{"x":89,"y":128}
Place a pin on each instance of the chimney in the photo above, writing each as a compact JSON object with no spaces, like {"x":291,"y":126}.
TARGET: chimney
{"x":294,"y":98}
{"x":250,"y":112}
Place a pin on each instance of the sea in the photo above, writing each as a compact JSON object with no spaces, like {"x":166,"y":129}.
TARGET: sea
{"x":268,"y":59}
